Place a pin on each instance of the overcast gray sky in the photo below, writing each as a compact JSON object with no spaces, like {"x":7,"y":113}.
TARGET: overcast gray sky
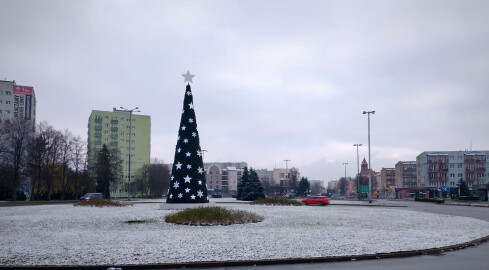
{"x":274,"y":80}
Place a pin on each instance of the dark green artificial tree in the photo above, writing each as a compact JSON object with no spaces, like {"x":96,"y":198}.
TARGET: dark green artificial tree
{"x":104,"y":172}
{"x":187,"y":182}
{"x":244,"y":180}
{"x":253,"y":189}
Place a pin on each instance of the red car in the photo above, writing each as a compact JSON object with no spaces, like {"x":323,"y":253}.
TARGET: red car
{"x":319,"y":200}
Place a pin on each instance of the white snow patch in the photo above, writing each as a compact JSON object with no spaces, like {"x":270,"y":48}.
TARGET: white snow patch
{"x":68,"y":235}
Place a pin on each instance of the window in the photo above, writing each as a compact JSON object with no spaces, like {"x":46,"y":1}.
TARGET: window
{"x":98,"y":117}
{"x":106,"y":132}
{"x":460,"y":166}
{"x":114,"y":118}
{"x":122,"y":133}
{"x":452,"y":157}
{"x":1,"y":101}
{"x":452,"y":175}
{"x":106,"y":117}
{"x":7,"y":102}
{"x":106,"y":139}
{"x":452,"y":166}
{"x":8,"y":93}
{"x":0,"y":111}
{"x":7,"y":111}
{"x":106,"y":125}
{"x":459,"y":157}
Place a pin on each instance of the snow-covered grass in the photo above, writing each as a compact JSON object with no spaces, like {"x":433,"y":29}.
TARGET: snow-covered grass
{"x":68,"y":235}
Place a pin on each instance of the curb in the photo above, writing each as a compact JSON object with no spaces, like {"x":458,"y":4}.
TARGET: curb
{"x":399,"y":254}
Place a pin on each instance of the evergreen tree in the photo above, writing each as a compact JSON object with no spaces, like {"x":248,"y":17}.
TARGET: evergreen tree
{"x":244,"y":180}
{"x":253,"y":189}
{"x":463,"y":188}
{"x":187,"y":183}
{"x":303,"y":187}
{"x":104,"y":171}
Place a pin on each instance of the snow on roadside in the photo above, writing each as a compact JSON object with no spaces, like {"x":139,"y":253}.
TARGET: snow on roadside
{"x":67,"y":235}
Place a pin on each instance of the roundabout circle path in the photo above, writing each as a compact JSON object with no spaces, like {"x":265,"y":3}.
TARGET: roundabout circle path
{"x":78,"y":236}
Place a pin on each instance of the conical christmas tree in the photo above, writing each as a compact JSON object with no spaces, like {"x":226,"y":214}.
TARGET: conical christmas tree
{"x":187,"y":184}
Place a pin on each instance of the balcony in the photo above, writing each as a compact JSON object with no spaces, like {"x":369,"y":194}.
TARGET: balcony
{"x":114,"y":121}
{"x":98,"y":120}
{"x":113,"y":136}
{"x":98,"y":127}
{"x":114,"y":143}
{"x":114,"y":128}
{"x":98,"y":135}
{"x":97,"y":142}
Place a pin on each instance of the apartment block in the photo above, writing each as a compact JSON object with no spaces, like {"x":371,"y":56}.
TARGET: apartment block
{"x":445,"y":168}
{"x":125,"y":134}
{"x":406,"y":174}
{"x":17,"y":102}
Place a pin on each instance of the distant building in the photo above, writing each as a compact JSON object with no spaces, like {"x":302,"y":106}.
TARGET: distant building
{"x":224,"y":176}
{"x":125,"y":135}
{"x":17,"y":102}
{"x":444,"y":168}
{"x":406,"y":174}
{"x":387,"y":178}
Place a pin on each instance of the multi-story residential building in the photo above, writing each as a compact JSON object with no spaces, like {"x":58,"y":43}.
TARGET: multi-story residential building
{"x":224,"y":176}
{"x":128,"y":136}
{"x":406,"y":174}
{"x":17,"y":102}
{"x":445,"y":168}
{"x":387,"y":178}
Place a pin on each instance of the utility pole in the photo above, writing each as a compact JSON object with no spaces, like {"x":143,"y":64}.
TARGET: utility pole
{"x":369,"y":160}
{"x":287,"y":173}
{"x":358,"y":171}
{"x":130,"y":111}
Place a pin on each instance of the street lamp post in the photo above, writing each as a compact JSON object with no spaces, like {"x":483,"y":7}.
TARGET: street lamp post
{"x":130,"y":111}
{"x":358,"y":171}
{"x":287,"y":172}
{"x":369,"y":161}
{"x":345,"y":163}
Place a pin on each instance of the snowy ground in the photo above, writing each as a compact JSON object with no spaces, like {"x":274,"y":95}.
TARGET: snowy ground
{"x":68,"y":235}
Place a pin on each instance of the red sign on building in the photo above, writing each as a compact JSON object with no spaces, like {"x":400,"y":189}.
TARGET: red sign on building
{"x":22,"y":90}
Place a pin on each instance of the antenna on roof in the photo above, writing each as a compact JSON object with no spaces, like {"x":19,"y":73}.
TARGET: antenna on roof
{"x":470,"y":144}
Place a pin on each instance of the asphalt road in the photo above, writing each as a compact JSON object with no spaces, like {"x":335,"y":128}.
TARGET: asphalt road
{"x":469,"y":258}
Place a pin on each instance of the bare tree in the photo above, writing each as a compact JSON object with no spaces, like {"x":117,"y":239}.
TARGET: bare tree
{"x":78,"y":156}
{"x":16,"y":137}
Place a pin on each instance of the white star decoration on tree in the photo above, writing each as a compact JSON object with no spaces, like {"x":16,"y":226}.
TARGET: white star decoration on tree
{"x":191,"y":105}
{"x":171,"y":196}
{"x":180,"y":195}
{"x":199,"y":153}
{"x":187,"y":179}
{"x":176,"y":185}
{"x":200,"y":193}
{"x":185,"y":140}
{"x":187,"y":154}
{"x":192,"y":197}
{"x":179,"y":165}
{"x":189,"y":166}
{"x":187,"y":190}
{"x":200,"y":170}
{"x":200,"y":182}
{"x":190,"y":120}
{"x":183,"y":127}
{"x":188,"y":77}
{"x":194,"y":134}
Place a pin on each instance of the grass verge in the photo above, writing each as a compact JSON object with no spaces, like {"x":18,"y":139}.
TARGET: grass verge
{"x":102,"y":203}
{"x":276,"y":201}
{"x":212,"y":216}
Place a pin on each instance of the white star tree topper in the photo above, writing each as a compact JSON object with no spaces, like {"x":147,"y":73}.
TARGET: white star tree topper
{"x":188,"y":77}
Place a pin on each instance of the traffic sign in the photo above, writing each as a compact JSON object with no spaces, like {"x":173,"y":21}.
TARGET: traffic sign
{"x":445,"y":188}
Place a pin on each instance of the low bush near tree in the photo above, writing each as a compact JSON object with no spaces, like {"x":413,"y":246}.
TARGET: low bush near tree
{"x":212,"y":216}
{"x":103,"y":203}
{"x":276,"y":201}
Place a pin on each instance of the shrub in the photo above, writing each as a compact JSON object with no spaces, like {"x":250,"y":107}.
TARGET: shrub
{"x":276,"y":201}
{"x":102,"y":203}
{"x":212,"y":216}
{"x":468,"y":198}
{"x":435,"y":200}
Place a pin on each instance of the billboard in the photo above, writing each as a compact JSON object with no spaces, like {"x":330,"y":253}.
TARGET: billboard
{"x":22,"y":90}
{"x":22,"y":102}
